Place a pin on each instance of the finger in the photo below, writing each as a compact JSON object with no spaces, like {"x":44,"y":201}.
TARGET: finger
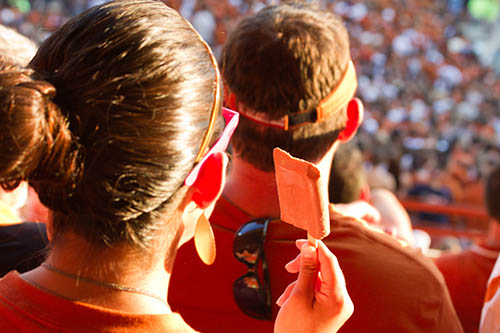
{"x":391,"y":231}
{"x":294,"y":265}
{"x":319,"y":281}
{"x":371,"y":216}
{"x":333,"y":284}
{"x":370,"y":219}
{"x":282,"y":299}
{"x":374,"y":216}
{"x":300,"y":242}
{"x":308,"y":274}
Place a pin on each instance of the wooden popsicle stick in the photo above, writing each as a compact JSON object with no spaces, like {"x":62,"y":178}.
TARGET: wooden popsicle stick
{"x":313,"y":241}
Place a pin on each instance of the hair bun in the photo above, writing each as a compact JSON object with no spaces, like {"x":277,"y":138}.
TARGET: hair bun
{"x":37,"y":144}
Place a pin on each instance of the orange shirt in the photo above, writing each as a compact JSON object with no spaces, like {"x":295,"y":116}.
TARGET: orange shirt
{"x":393,"y":288}
{"x":25,"y":308}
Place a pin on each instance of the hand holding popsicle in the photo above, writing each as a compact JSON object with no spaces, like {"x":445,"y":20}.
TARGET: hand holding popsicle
{"x":318,"y":301}
{"x":315,"y":302}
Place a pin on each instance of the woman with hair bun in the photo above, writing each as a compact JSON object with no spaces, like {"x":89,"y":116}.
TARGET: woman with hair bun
{"x":115,"y":125}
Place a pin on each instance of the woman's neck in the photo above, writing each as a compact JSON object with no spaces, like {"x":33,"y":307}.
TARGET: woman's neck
{"x":123,"y":266}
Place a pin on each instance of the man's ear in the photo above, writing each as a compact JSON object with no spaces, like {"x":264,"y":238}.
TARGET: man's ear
{"x":355,"y":112}
{"x":210,"y":181}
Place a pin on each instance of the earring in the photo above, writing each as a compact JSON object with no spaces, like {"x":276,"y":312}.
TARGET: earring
{"x":204,"y":240}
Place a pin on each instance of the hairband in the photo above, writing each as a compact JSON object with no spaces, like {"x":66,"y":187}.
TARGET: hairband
{"x":331,"y":104}
{"x":215,"y":108}
{"x":231,"y":118}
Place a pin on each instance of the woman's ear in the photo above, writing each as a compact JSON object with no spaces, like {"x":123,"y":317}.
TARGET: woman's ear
{"x":210,"y":181}
{"x":355,"y":112}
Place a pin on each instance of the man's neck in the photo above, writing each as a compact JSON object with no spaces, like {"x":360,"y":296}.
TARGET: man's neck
{"x":254,"y":191}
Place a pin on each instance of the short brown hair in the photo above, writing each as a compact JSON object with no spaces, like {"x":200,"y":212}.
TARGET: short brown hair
{"x":492,"y":193}
{"x":347,"y":175}
{"x":285,"y":59}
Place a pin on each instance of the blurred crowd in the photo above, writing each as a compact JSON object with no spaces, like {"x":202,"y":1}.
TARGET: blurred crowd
{"x":37,"y":19}
{"x":428,"y":75}
{"x":431,"y":94}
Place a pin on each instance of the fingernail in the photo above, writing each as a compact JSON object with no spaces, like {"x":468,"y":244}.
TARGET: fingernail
{"x":308,"y":251}
{"x":278,"y":302}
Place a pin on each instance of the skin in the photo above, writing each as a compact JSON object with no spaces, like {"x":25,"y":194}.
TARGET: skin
{"x":322,"y":286}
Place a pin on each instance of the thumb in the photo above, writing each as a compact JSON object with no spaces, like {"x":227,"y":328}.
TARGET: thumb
{"x":308,"y":274}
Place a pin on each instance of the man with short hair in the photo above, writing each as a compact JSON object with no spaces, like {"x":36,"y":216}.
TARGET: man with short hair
{"x":380,"y":207}
{"x":348,"y":181}
{"x":288,"y":72}
{"x":467,"y":273}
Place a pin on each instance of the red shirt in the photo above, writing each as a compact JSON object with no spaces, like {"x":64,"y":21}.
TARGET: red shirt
{"x":466,"y":275}
{"x":393,"y":288}
{"x":25,"y":308}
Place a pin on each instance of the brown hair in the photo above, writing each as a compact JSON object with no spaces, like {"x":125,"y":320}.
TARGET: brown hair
{"x":108,"y":121}
{"x":285,"y":59}
{"x":492,"y":193}
{"x":347,"y":175}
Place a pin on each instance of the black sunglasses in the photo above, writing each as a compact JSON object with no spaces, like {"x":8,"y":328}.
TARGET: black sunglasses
{"x":252,"y":296}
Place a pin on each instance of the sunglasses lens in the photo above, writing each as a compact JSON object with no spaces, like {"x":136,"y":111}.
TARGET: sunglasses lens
{"x":248,"y":242}
{"x":250,"y":297}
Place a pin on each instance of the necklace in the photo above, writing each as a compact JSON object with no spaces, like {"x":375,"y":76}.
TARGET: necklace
{"x":109,"y":285}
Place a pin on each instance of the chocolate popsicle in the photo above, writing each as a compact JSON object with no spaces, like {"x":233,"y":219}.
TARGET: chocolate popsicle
{"x":302,"y":194}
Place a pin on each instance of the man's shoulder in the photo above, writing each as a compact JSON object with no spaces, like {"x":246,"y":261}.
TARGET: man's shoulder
{"x":362,"y":249}
{"x":407,"y":283}
{"x":382,"y":275}
{"x":367,"y":243}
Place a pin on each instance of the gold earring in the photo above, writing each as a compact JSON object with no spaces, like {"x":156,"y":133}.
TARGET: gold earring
{"x":204,"y":240}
